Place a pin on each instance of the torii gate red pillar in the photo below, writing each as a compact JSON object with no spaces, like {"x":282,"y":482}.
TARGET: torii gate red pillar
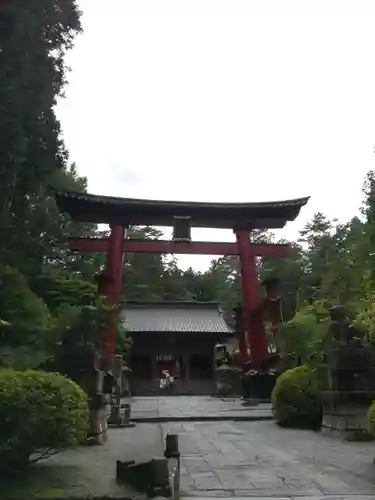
{"x":254,"y":331}
{"x":111,"y":288}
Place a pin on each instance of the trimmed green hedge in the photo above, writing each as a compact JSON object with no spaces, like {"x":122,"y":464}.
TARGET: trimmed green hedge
{"x":40,"y":413}
{"x":295,"y":398}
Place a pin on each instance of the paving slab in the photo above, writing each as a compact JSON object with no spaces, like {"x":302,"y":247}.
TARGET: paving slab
{"x":329,"y":497}
{"x":260,"y":460}
{"x":89,"y":471}
{"x":195,"y":408}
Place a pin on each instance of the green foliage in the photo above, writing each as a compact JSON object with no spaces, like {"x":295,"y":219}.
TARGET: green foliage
{"x":306,"y":334}
{"x":295,"y":398}
{"x":19,"y":306}
{"x":371,"y":419}
{"x":61,"y":290}
{"x":57,"y":228}
{"x":79,"y":336}
{"x":144,"y":275}
{"x":123,"y":339}
{"x":26,"y":322}
{"x":23,"y":357}
{"x":365,"y":318}
{"x":40,"y":413}
{"x":34,"y":39}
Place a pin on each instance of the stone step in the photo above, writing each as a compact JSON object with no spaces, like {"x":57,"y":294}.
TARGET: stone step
{"x":180,"y":388}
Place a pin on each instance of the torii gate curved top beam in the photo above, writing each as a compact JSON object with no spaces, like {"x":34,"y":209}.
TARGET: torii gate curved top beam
{"x":85,"y":207}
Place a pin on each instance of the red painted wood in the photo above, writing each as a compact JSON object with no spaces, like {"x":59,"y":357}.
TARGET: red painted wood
{"x":255,"y":334}
{"x":111,"y":287}
{"x":169,"y":247}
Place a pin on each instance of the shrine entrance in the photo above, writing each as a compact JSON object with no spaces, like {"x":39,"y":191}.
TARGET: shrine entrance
{"x":167,"y":362}
{"x":201,"y":367}
{"x":242,"y":218}
{"x":178,"y":336}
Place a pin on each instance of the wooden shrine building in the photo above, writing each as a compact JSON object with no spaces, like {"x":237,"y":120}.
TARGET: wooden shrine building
{"x":176,"y":336}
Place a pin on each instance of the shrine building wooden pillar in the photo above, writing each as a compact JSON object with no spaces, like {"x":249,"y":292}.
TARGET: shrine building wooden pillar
{"x":254,"y":331}
{"x":111,"y":288}
{"x":186,"y":366}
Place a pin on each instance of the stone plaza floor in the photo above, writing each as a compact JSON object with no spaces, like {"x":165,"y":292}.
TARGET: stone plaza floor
{"x":164,"y":408}
{"x":258,"y":459}
{"x":88,"y":472}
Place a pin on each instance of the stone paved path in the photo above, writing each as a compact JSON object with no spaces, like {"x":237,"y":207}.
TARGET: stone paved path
{"x":220,"y":459}
{"x":258,"y":459}
{"x":194,"y":408}
{"x":89,"y":471}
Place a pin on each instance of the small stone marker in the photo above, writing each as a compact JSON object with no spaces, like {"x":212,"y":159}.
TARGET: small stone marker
{"x":115,"y":416}
{"x":160,"y":478}
{"x":172,"y":454}
{"x":171,"y":446}
{"x":126,"y":417}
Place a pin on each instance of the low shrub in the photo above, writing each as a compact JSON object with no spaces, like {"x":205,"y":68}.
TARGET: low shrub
{"x":320,"y":375}
{"x":40,"y":414}
{"x":295,"y":399}
{"x":371,"y":419}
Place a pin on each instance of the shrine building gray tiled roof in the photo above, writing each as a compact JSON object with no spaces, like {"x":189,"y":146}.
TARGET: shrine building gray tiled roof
{"x":189,"y":317}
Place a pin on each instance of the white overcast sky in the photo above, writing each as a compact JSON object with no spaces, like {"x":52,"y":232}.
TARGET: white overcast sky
{"x":225,"y":100}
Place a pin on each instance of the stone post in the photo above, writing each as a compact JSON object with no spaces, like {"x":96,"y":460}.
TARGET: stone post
{"x":126,"y":418}
{"x":92,"y":381}
{"x":115,"y":417}
{"x":160,"y":477}
{"x":171,"y":445}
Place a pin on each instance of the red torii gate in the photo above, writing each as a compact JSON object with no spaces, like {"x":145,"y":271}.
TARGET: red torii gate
{"x":120,"y":213}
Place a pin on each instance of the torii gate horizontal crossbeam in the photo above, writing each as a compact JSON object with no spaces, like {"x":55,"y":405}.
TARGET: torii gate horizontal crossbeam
{"x":171,"y":247}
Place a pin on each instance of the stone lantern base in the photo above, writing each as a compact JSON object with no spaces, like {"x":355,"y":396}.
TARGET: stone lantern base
{"x":228,"y":380}
{"x":344,"y":413}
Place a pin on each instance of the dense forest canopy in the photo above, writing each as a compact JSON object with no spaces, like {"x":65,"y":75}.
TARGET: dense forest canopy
{"x":40,"y":278}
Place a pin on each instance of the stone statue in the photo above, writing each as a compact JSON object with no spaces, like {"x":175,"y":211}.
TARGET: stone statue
{"x":340,"y":328}
{"x":349,"y":359}
{"x":351,"y":379}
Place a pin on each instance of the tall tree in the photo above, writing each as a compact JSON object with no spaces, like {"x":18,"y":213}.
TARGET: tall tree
{"x":290,"y":272}
{"x":38,"y":242}
{"x":142,"y":273}
{"x":34,"y":37}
